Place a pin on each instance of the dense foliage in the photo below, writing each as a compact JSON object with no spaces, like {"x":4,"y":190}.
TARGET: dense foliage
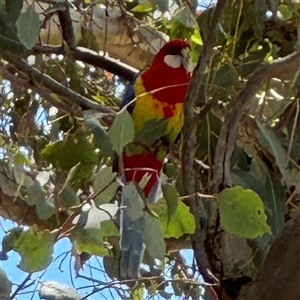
{"x":229,"y":188}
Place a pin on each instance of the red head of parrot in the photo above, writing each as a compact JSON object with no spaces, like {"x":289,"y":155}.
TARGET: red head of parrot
{"x":169,"y":72}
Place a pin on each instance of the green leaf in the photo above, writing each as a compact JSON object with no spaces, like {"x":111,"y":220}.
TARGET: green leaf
{"x":290,"y":176}
{"x":111,"y":266}
{"x":29,"y":25}
{"x":143,"y":8}
{"x":196,"y":37}
{"x":153,"y":237}
{"x":171,"y":196}
{"x":68,"y":197}
{"x":105,"y":182}
{"x":132,"y":199}
{"x":91,"y":215}
{"x":180,"y":223}
{"x":35,"y":248}
{"x":152,"y":130}
{"x":268,"y":187}
{"x":108,"y":228}
{"x":13,"y":9}
{"x":285,"y":11}
{"x":242,"y":213}
{"x":21,"y":176}
{"x":185,"y":17}
{"x":253,"y":60}
{"x":121,"y":132}
{"x":6,"y":285}
{"x":102,"y":140}
{"x":163,"y":5}
{"x":37,"y":196}
{"x":8,"y":37}
{"x":138,"y":293}
{"x":68,"y":153}
{"x":89,"y":240}
{"x":225,"y":77}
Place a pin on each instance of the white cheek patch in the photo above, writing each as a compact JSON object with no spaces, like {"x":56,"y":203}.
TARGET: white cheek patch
{"x":173,"y":61}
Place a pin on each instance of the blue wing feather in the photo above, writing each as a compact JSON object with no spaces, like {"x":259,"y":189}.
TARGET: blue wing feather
{"x":129,"y":94}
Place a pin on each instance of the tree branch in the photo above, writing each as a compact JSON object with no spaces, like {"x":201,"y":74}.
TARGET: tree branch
{"x":43,"y":92}
{"x":64,"y":93}
{"x":190,"y":143}
{"x":66,"y":25}
{"x":91,"y":57}
{"x":280,"y":68}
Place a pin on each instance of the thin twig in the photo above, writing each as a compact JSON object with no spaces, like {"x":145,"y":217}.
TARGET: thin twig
{"x":20,"y":287}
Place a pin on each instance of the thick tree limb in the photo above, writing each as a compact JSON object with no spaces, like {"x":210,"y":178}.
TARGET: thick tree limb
{"x":280,"y":68}
{"x":190,"y":143}
{"x":91,"y":57}
{"x":67,"y":26}
{"x":282,"y":264}
{"x":17,"y":210}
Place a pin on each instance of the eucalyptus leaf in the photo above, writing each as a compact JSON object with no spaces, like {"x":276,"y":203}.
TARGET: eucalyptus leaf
{"x":29,"y":25}
{"x":34,"y":247}
{"x":153,"y":237}
{"x":242,"y":213}
{"x":171,"y":196}
{"x":121,"y":132}
{"x":102,"y":140}
{"x":152,"y":130}
{"x":182,"y":222}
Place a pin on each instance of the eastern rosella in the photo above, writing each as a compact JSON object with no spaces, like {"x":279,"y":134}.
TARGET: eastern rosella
{"x":157,"y":93}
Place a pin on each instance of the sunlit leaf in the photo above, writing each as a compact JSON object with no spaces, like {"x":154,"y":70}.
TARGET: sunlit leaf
{"x":35,"y":248}
{"x":109,"y":229}
{"x":180,"y":223}
{"x":20,"y":158}
{"x":43,"y":177}
{"x":92,"y":215}
{"x":196,"y":37}
{"x":89,"y":240}
{"x":143,"y":7}
{"x":242,"y":213}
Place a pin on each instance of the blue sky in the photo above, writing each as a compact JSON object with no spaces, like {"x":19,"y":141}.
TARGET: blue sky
{"x":53,"y":273}
{"x":66,"y":275}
